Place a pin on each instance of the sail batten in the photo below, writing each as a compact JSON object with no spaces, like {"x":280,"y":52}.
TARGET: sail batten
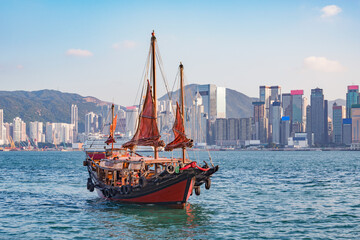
{"x":147,"y":132}
{"x":180,"y":141}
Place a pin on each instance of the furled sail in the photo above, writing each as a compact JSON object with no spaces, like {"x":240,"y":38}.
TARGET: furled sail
{"x":111,"y":138}
{"x":180,"y":141}
{"x":147,"y":132}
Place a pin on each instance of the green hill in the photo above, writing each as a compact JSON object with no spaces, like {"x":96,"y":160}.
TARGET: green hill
{"x":46,"y":106}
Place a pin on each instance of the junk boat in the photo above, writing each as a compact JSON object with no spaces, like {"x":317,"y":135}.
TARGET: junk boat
{"x":123,"y":175}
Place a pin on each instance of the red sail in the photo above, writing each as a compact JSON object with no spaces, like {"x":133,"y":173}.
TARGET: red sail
{"x":147,"y":133}
{"x":111,"y":138}
{"x":180,"y":141}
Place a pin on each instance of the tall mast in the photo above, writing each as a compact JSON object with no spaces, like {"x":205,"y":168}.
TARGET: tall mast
{"x":153,"y":61}
{"x":182,"y":100}
{"x":112,"y":123}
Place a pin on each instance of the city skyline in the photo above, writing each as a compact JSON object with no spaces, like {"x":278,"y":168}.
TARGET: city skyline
{"x":95,"y":49}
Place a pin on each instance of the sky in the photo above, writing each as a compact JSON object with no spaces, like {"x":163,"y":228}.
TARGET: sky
{"x":99,"y":48}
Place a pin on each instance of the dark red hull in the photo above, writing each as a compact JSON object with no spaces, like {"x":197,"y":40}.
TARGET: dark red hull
{"x":175,"y":193}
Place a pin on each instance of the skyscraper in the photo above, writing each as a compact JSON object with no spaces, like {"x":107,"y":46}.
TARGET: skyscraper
{"x":2,"y":138}
{"x":287,"y":104}
{"x":208,"y":94}
{"x":338,"y":116}
{"x":284,"y":130}
{"x":318,"y":125}
{"x":132,"y":115}
{"x":265,"y":93}
{"x":297,"y":111}
{"x":355,"y":116}
{"x":74,"y":121}
{"x":17,"y":127}
{"x":352,"y":97}
{"x":91,"y":123}
{"x":276,"y":113}
{"x":220,"y":102}
{"x":260,"y":122}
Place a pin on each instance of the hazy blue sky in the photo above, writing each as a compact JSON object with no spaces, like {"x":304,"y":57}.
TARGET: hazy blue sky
{"x":99,"y":48}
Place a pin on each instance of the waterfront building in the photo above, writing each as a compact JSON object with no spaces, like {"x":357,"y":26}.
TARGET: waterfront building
{"x":260,"y":122}
{"x":36,"y":131}
{"x":198,"y":120}
{"x":220,"y":102}
{"x":265,"y":93}
{"x":75,"y":121}
{"x":62,"y":133}
{"x":132,"y":116}
{"x":339,"y":113}
{"x":208,"y":94}
{"x":355,"y":116}
{"x":298,"y":141}
{"x":233,"y":125}
{"x":17,"y":129}
{"x":245,"y":129}
{"x":347,"y":131}
{"x":352,"y":97}
{"x":220,"y":131}
{"x":276,"y":113}
{"x":297,"y":111}
{"x":8,"y":130}
{"x":91,"y":123}
{"x":318,"y":117}
{"x":284,"y":130}
{"x":287,"y":104}
{"x":2,"y":136}
{"x":48,"y":133}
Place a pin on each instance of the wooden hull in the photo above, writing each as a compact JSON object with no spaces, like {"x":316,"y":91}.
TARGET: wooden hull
{"x":174,"y":190}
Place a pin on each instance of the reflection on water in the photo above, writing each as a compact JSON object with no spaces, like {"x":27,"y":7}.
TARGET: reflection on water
{"x":148,"y":221}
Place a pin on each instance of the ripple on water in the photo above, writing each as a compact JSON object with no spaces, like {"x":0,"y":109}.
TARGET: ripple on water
{"x":255,"y":195}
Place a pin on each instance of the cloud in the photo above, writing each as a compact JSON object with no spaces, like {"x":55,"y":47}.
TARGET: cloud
{"x":79,"y":53}
{"x":19,"y":66}
{"x":127,"y":44}
{"x":330,"y":10}
{"x":323,"y":64}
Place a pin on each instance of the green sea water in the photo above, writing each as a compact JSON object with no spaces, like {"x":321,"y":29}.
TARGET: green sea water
{"x":255,"y":195}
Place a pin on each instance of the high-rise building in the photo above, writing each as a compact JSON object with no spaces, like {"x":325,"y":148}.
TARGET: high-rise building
{"x":260,"y":122}
{"x":48,"y":133}
{"x":355,"y":116}
{"x":220,"y":102}
{"x":297,"y":111}
{"x":132,"y":116}
{"x":17,"y":128}
{"x":346,"y":131}
{"x":233,"y":128}
{"x":220,"y":131}
{"x":208,"y":94}
{"x":2,"y":137}
{"x":36,"y":131}
{"x":338,"y":116}
{"x":75,"y":120}
{"x":91,"y":123}
{"x":276,"y":114}
{"x":287,"y":105}
{"x":265,"y":93}
{"x":198,"y":121}
{"x":318,"y":124}
{"x":352,"y":97}
{"x":308,"y":125}
{"x":245,"y":129}
{"x":284,"y":130}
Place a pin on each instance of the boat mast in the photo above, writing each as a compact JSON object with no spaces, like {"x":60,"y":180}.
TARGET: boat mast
{"x":153,"y":61}
{"x":182,"y":100}
{"x":112,"y":123}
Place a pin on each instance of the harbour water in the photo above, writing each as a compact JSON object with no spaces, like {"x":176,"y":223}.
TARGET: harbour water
{"x":255,"y":195}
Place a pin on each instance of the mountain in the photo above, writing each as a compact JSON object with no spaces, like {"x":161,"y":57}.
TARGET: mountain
{"x":46,"y":106}
{"x":238,"y":105}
